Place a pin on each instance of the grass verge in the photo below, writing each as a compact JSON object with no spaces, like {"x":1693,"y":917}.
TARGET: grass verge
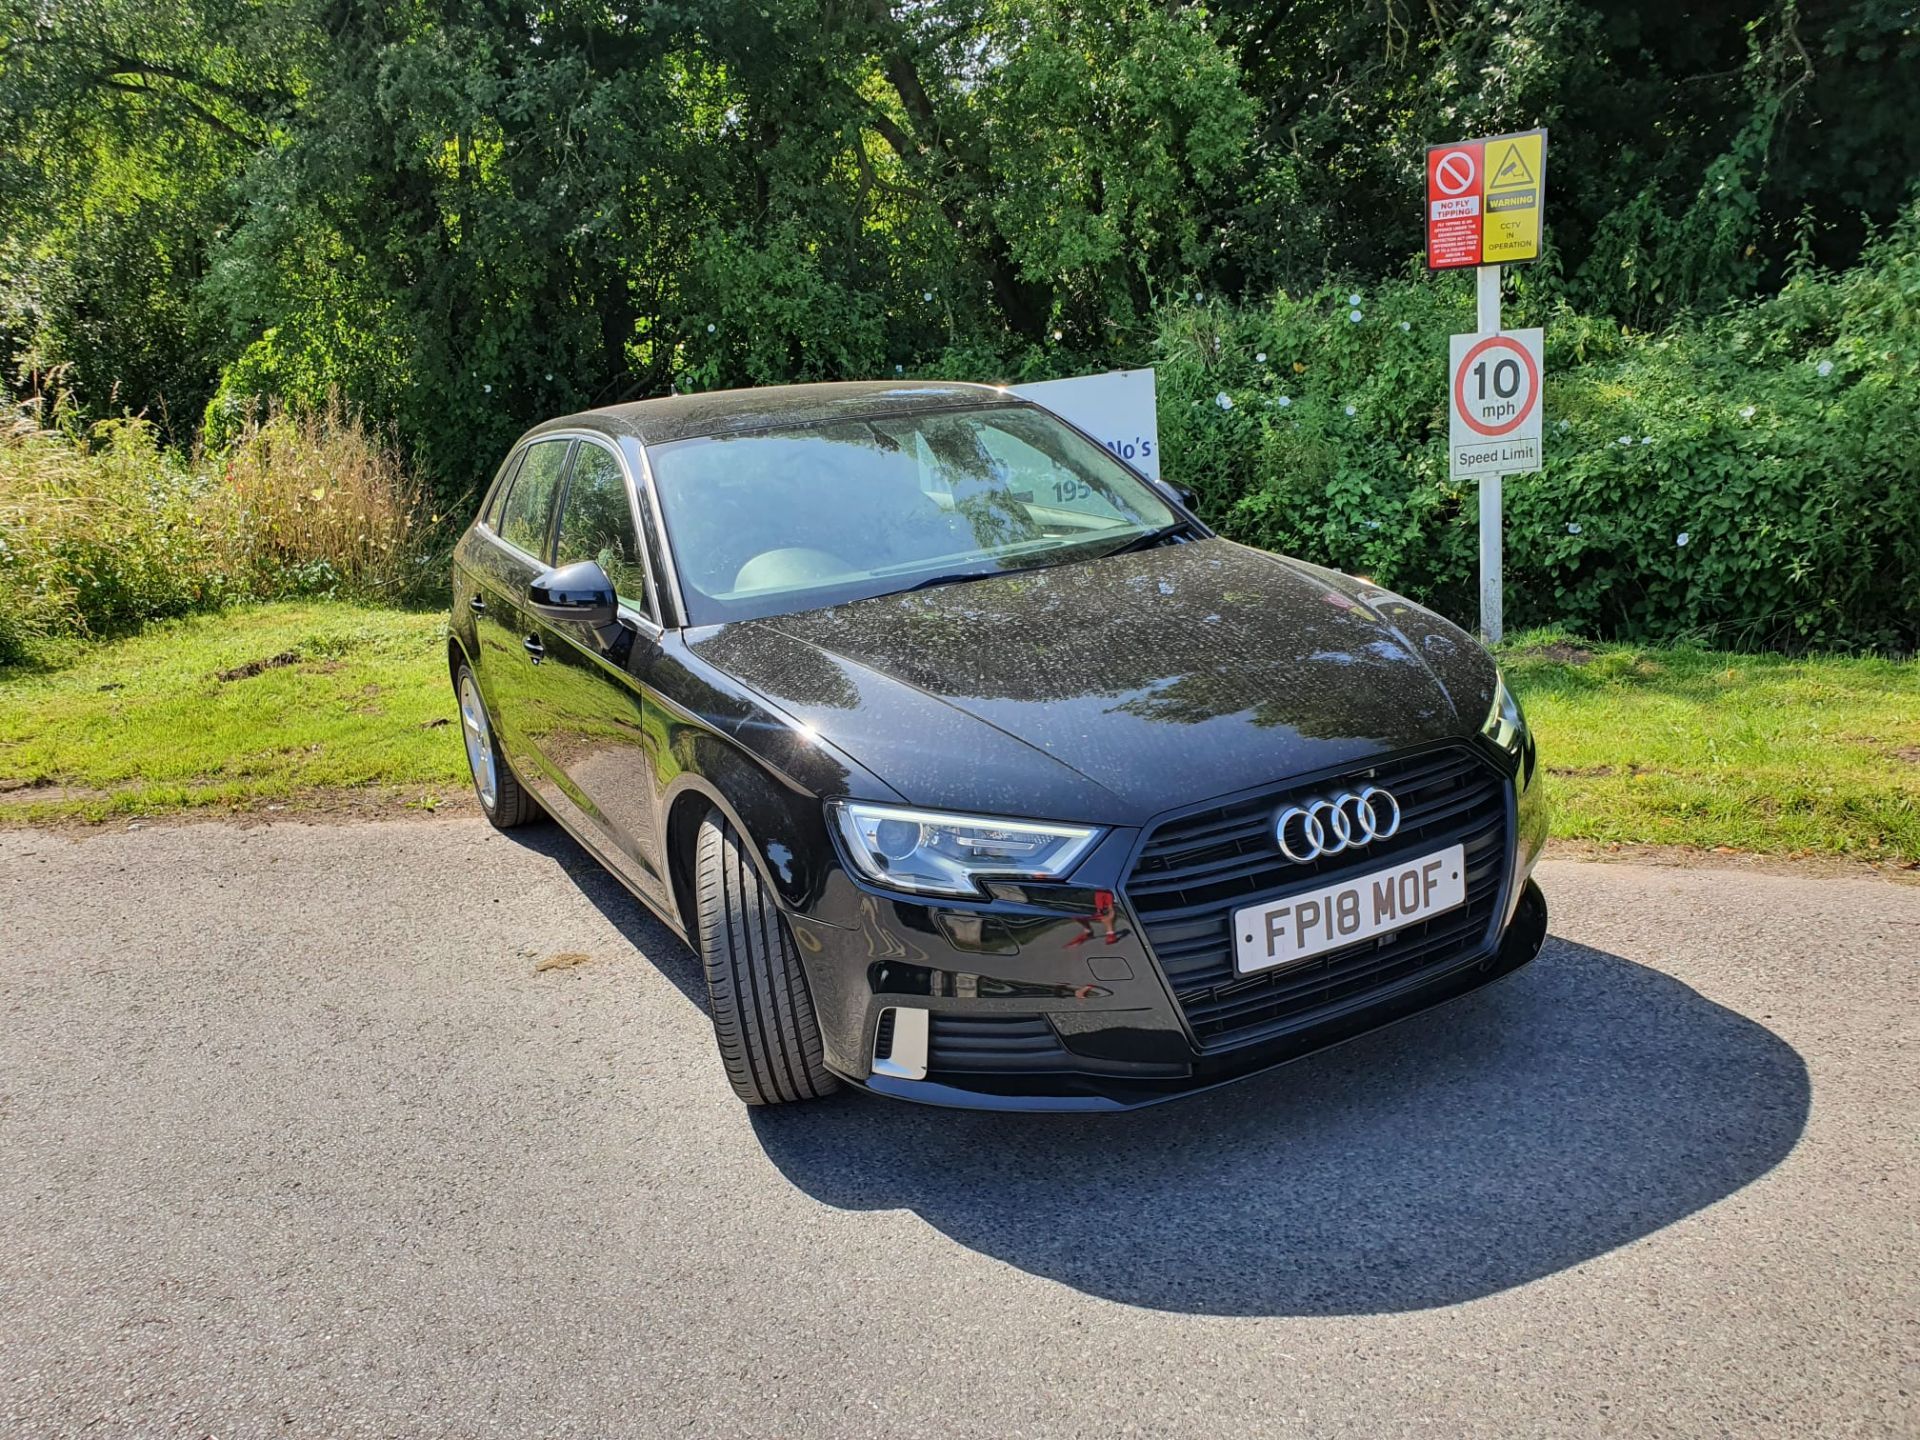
{"x":333,"y":706}
{"x":294,"y":704}
{"x":1762,"y":753}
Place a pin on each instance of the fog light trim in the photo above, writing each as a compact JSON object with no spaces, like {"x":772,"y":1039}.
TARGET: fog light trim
{"x":906,"y":1057}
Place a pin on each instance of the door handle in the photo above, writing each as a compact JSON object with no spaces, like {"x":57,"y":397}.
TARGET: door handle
{"x":534,"y":648}
{"x":478,"y":604}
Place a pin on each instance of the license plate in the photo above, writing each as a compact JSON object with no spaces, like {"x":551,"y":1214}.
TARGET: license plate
{"x":1285,"y":932}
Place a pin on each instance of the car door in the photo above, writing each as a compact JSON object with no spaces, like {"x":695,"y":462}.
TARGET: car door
{"x":586,"y":698}
{"x":522,"y":532}
{"x":479,"y":584}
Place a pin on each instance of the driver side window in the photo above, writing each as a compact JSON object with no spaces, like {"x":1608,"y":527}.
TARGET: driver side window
{"x":596,"y":523}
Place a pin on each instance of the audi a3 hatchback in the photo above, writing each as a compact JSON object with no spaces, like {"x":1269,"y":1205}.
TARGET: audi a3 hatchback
{"x":974,"y":767}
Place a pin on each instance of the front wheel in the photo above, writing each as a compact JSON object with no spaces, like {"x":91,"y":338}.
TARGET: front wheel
{"x":501,"y":795}
{"x":762,"y":1012}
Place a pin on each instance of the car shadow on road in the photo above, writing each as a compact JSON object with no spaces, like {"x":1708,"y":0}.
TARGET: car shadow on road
{"x":1585,"y":1103}
{"x":1582,"y":1104}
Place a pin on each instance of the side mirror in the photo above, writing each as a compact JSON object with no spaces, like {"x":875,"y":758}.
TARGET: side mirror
{"x":580,"y":592}
{"x":1178,"y":494}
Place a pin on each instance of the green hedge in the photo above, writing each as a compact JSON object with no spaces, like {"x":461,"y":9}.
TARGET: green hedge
{"x":1752,"y":477}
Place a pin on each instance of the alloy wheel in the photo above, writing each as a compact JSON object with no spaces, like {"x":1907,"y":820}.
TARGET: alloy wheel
{"x":479,"y":738}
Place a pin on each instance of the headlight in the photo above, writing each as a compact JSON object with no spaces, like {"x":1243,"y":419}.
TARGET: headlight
{"x":948,"y":854}
{"x":1506,"y":726}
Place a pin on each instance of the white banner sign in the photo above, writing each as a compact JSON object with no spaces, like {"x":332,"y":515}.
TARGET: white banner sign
{"x":1493,"y":397}
{"x":1116,"y":408}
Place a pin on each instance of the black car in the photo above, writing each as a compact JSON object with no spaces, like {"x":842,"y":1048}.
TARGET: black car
{"x":976,"y":769}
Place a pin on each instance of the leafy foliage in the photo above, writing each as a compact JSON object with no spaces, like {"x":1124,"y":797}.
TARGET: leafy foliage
{"x":1694,"y":148}
{"x":99,"y":539}
{"x":1753,"y":478}
{"x":460,"y":218}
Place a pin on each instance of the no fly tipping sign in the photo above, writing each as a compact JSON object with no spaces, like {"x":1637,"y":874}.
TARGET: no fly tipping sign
{"x":1484,"y":199}
{"x":1494,"y":403}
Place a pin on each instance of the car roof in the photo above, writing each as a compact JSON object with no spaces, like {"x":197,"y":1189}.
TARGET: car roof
{"x":740,"y":412}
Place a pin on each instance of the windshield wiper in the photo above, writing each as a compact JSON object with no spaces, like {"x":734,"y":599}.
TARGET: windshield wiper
{"x":960,"y":576}
{"x":1151,"y":538}
{"x":1145,"y":541}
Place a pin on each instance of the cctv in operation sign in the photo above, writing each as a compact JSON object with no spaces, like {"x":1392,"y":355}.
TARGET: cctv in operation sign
{"x":1484,"y":199}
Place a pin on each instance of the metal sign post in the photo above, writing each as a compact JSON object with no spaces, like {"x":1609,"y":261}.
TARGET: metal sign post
{"x":1493,"y":423}
{"x":1485,"y":199}
{"x":1486,"y":279}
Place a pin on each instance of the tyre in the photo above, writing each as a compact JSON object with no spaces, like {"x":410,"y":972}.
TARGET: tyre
{"x":762,"y":1013}
{"x":501,"y":794}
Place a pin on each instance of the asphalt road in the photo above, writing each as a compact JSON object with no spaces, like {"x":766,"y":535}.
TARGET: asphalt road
{"x":295,"y":1139}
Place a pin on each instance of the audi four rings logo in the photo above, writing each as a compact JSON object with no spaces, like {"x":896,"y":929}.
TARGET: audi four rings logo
{"x":1346,"y":822}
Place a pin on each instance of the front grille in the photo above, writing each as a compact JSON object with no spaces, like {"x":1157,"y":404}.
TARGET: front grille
{"x":1195,"y":870}
{"x":994,"y":1043}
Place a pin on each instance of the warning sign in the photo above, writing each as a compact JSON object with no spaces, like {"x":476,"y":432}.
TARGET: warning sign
{"x":1484,"y":199}
{"x":1494,"y":400}
{"x":1516,"y":180}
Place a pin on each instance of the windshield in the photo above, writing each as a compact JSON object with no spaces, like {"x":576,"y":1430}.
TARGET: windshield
{"x":786,"y":520}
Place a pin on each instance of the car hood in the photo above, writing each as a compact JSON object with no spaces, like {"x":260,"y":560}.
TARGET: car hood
{"x":1112,"y":689}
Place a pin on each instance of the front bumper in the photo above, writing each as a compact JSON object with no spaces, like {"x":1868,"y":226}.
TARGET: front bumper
{"x":1044,"y":998}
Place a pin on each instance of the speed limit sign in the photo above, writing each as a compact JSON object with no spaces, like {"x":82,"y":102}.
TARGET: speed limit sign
{"x":1494,"y":399}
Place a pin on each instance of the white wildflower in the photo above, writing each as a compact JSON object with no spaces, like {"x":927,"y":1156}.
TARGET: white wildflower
{"x":1284,"y":401}
{"x":1261,"y":358}
{"x":927,"y":295}
{"x":1573,"y":529}
{"x":1747,"y":413}
{"x":1223,"y":400}
{"x":711,"y":328}
{"x":1825,"y":367}
{"x":1566,"y":424}
{"x":1682,"y":538}
{"x":1353,"y":299}
{"x":1352,"y":411}
{"x":1354,"y":316}
{"x":1406,"y":325}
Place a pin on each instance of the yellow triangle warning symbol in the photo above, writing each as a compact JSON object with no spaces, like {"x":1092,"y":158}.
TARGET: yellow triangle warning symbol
{"x":1511,"y":173}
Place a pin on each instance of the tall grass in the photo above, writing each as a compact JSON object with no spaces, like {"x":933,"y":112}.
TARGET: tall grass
{"x":102,"y":529}
{"x":319,"y":504}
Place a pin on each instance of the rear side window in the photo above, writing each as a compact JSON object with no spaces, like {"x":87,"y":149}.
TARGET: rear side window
{"x":512,"y":463}
{"x":596,"y":523}
{"x":523,"y":520}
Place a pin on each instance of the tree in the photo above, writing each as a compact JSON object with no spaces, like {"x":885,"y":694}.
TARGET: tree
{"x":122,"y":128}
{"x":462,"y":215}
